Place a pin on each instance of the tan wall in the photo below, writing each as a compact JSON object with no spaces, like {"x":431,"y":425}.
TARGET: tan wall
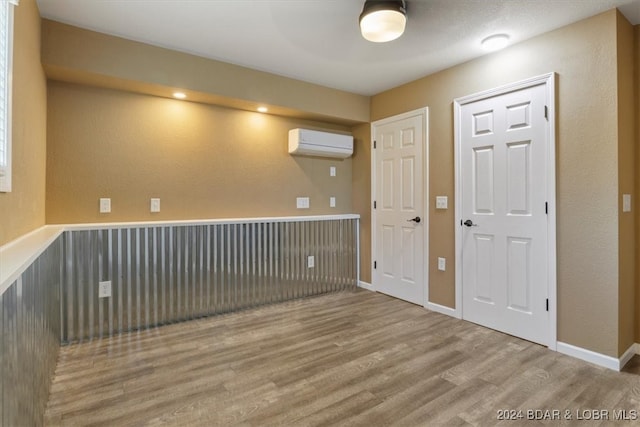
{"x":626,"y":178}
{"x":584,"y":56}
{"x":87,"y":57}
{"x":23,"y":209}
{"x":202,"y":161}
{"x":362,"y":194}
{"x":635,"y":205}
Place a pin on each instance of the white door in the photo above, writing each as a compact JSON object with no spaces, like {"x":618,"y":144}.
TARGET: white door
{"x":399,"y":206}
{"x":503,"y":165}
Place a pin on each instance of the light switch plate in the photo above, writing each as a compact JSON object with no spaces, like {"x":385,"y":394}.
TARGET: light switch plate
{"x":105,"y":205}
{"x":442,"y":202}
{"x":302,"y":203}
{"x":332,"y":171}
{"x":311,"y":261}
{"x":626,"y":203}
{"x":155,"y":205}
{"x":332,"y":202}
{"x":442,"y":264}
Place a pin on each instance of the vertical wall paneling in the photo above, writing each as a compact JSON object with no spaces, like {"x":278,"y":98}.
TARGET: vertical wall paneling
{"x":30,"y":325}
{"x":170,"y":273}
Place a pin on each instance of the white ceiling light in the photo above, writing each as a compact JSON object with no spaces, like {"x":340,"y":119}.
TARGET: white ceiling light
{"x":262,"y":109}
{"x":383,"y":21}
{"x":179,"y":95}
{"x":495,"y":42}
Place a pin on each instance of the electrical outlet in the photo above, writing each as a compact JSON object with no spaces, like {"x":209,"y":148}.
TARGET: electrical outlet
{"x":442,"y":202}
{"x":442,"y":264}
{"x":104,"y":289}
{"x":302,"y":203}
{"x":332,"y":202}
{"x":311,"y":261}
{"x":105,"y":205}
{"x":332,"y":171}
{"x":155,"y":205}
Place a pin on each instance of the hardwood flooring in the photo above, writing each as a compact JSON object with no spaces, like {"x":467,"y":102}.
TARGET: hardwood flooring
{"x":347,"y":359}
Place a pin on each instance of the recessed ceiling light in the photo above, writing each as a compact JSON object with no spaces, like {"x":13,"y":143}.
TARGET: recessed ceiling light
{"x":179,"y":95}
{"x":263,"y":109}
{"x":495,"y":42}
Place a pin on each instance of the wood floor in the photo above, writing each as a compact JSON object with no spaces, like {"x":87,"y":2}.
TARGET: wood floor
{"x":352,"y":358}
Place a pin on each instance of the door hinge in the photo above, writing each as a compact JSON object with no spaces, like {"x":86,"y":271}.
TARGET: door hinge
{"x":375,"y":205}
{"x":374,"y":145}
{"x":375,"y":264}
{"x":547,"y":304}
{"x":546,"y":208}
{"x":460,"y":223}
{"x":546,"y":112}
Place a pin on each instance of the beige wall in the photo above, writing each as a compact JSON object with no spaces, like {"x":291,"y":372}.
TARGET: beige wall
{"x":202,"y":161}
{"x":626,"y":178}
{"x":634,"y":203}
{"x":23,"y":209}
{"x":362,"y":194}
{"x":584,"y":56}
{"x":81,"y":56}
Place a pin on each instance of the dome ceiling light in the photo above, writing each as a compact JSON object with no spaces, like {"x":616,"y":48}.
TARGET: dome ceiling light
{"x":382,"y":21}
{"x":495,"y":42}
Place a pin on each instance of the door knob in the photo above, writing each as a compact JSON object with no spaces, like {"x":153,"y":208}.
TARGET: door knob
{"x":416,"y":220}
{"x":470,"y":223}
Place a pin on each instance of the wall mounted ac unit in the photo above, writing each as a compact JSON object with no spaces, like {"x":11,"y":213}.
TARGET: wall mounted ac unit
{"x":307,"y":142}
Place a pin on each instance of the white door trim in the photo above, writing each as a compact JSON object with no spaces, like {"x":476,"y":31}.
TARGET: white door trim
{"x":549,"y":81}
{"x":424,"y":112}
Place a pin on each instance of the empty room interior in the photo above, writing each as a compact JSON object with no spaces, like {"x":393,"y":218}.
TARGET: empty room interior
{"x":267,"y":212}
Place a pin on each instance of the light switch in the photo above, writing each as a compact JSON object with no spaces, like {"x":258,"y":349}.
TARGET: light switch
{"x":442,"y":202}
{"x":105,"y":205}
{"x":155,"y":205}
{"x":311,"y":261}
{"x":626,"y":203}
{"x":442,"y":264}
{"x":332,"y":171}
{"x":302,"y":203}
{"x":332,"y":202}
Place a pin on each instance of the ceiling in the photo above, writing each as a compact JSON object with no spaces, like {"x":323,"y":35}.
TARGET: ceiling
{"x":318,"y":41}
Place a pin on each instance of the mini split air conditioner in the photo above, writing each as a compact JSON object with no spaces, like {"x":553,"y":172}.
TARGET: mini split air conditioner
{"x":307,"y":142}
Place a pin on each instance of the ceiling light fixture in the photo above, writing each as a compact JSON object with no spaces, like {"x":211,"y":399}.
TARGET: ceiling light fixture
{"x":495,"y":42}
{"x":262,"y":109}
{"x":179,"y":95}
{"x":383,"y":21}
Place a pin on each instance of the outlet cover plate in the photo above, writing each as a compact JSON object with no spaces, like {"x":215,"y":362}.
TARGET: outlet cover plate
{"x":302,"y":203}
{"x":442,"y":202}
{"x":105,"y":205}
{"x":155,"y":205}
{"x":442,"y":264}
{"x":104,"y":289}
{"x":311,"y":261}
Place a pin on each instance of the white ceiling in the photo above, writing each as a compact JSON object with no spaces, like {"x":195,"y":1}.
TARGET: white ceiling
{"x":318,"y":41}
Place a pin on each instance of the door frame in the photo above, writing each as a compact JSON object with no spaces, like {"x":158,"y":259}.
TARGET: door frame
{"x":548,"y":80}
{"x":424,"y":113}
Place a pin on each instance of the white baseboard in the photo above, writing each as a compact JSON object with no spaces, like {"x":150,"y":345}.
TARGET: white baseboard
{"x":626,"y":357}
{"x":367,"y":286}
{"x":597,"y":358}
{"x":442,"y":309}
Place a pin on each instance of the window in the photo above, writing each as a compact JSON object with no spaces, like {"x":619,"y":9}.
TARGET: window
{"x":6,"y":47}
